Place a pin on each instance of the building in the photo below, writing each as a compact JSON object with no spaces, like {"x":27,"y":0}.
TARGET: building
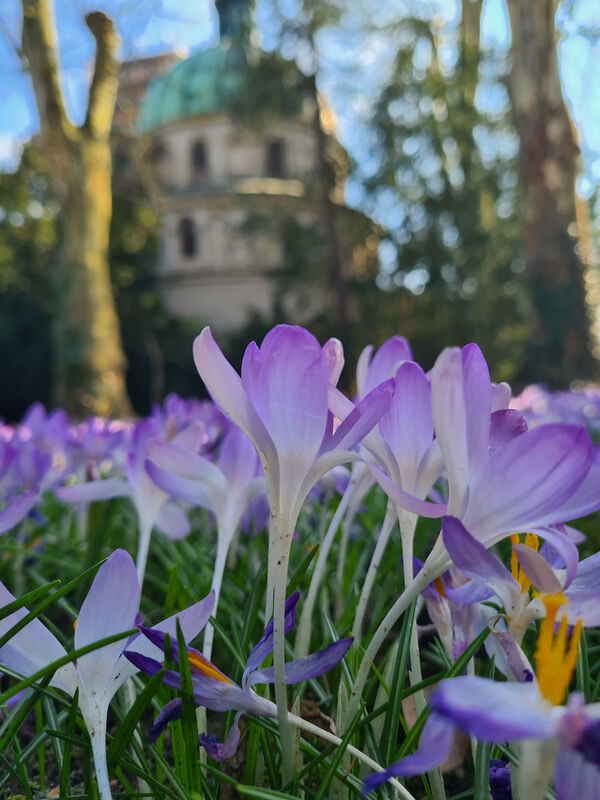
{"x":247,"y":174}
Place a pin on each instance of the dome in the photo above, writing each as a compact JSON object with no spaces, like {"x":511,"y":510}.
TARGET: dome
{"x":204,"y":83}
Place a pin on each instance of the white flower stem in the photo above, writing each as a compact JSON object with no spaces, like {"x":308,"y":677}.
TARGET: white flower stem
{"x":434,"y":566}
{"x":142,"y":551}
{"x":308,"y":727}
{"x":98,"y":739}
{"x":384,"y":534}
{"x":280,"y":534}
{"x":224,"y":537}
{"x":304,"y":626}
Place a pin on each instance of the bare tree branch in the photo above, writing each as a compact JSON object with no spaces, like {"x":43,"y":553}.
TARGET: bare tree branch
{"x":103,"y":89}
{"x":38,"y":44}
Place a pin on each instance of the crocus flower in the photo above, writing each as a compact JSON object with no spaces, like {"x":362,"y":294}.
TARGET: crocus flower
{"x":225,"y":488}
{"x":18,"y":509}
{"x":214,"y":690}
{"x":111,"y":606}
{"x":281,"y":403}
{"x":528,"y":711}
{"x":489,"y":578}
{"x":151,"y":503}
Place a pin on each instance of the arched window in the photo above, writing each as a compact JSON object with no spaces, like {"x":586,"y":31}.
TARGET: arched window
{"x":188,"y":242}
{"x":199,"y":159}
{"x":276,"y":158}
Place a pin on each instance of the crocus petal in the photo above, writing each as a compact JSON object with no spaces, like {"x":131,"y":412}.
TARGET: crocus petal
{"x":505,"y":425}
{"x":111,"y":606}
{"x":584,"y":593}
{"x":562,"y":543}
{"x":585,"y":499}
{"x":501,"y":396}
{"x":476,"y":561}
{"x":186,"y":489}
{"x":434,"y":747}
{"x":238,"y":461}
{"x":405,"y":500}
{"x":408,"y":425}
{"x":265,"y":646}
{"x":477,"y":389}
{"x":450,"y":423}
{"x":537,"y":569}
{"x":333,"y":353}
{"x":93,"y":490}
{"x":384,"y":363}
{"x":226,"y":389}
{"x":191,"y":438}
{"x":574,"y":777}
{"x":341,"y":407}
{"x":289,"y":393}
{"x":304,"y":669}
{"x":185,"y":464}
{"x":473,"y":591}
{"x":221,"y":751}
{"x":33,"y":647}
{"x":18,"y":509}
{"x":494,"y":712}
{"x":363,"y":418}
{"x":524,"y":483}
{"x":168,"y":713}
{"x":173,"y":521}
{"x":362,"y":366}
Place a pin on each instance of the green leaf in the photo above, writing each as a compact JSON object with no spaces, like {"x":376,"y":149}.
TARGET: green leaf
{"x":65,"y":772}
{"x":389,"y":736}
{"x":188,"y":718}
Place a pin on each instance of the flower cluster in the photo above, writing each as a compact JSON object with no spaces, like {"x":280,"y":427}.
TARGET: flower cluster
{"x":490,"y":475}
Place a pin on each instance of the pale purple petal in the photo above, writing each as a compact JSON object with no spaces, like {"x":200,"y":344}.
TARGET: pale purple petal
{"x":473,"y":591}
{"x":221,"y":751}
{"x":408,"y":425}
{"x":185,"y":464}
{"x":524,"y":483}
{"x":333,"y":353}
{"x":501,"y":396}
{"x":289,"y":392}
{"x":584,"y":593}
{"x":190,"y":491}
{"x":265,"y":646}
{"x":18,"y":509}
{"x":537,"y":569}
{"x":450,"y":424}
{"x":363,"y":418}
{"x":505,"y":425}
{"x":434,"y":747}
{"x":226,"y":389}
{"x":515,"y":658}
{"x":304,"y":669}
{"x":33,"y":648}
{"x":111,"y":606}
{"x":585,"y":499}
{"x":492,"y":711}
{"x":405,"y":500}
{"x":563,"y":545}
{"x":173,"y":521}
{"x":238,"y":460}
{"x":191,"y":438}
{"x":362,"y":367}
{"x":575,"y":778}
{"x":385,"y":362}
{"x":93,"y":490}
{"x":477,"y":389}
{"x":476,"y":561}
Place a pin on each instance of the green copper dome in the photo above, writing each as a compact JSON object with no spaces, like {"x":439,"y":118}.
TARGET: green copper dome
{"x":206,"y":82}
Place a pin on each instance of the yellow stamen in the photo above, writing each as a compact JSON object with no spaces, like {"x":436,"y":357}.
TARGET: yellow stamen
{"x":555,"y":659}
{"x":531,"y":540}
{"x":75,"y":624}
{"x":206,"y":668}
{"x":439,"y":585}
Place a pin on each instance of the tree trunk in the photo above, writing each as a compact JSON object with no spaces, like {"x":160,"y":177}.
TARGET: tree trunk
{"x":90,"y":361}
{"x":560,"y":348}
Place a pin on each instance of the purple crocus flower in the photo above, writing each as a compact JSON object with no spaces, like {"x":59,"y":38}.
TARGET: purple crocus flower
{"x":281,"y":403}
{"x":528,"y":711}
{"x":225,"y":488}
{"x":151,"y":503}
{"x":374,"y":369}
{"x":214,"y":690}
{"x":18,"y":509}
{"x":111,"y":606}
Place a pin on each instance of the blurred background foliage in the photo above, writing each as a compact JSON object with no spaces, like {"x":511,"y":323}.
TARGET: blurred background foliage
{"x":442,"y":179}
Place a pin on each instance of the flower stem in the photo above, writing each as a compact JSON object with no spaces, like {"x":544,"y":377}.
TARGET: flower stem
{"x":308,"y":727}
{"x":382,"y":540}
{"x":304,"y":626}
{"x":434,"y":566}
{"x":98,"y":740}
{"x":142,"y":551}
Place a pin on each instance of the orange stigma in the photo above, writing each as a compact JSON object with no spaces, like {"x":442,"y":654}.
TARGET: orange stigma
{"x":555,"y":659}
{"x":206,"y":668}
{"x":531,"y":540}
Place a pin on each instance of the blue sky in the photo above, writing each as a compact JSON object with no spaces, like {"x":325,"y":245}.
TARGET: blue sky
{"x":153,"y":26}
